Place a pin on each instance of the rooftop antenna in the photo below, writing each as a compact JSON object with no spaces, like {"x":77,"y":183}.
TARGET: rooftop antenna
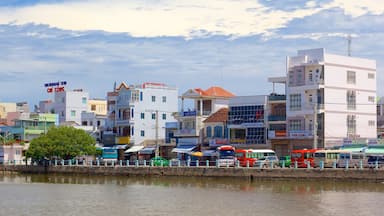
{"x":349,"y":38}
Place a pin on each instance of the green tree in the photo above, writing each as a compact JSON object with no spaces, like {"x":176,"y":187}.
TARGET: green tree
{"x":62,"y":143}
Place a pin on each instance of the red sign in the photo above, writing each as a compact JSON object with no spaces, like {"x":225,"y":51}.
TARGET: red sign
{"x":56,"y":89}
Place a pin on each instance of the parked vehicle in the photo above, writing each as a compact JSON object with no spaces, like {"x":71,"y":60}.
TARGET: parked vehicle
{"x":373,"y":159}
{"x":250,"y":156}
{"x":269,"y":161}
{"x":226,"y":156}
{"x":302,"y":156}
{"x":352,"y":158}
{"x":160,"y":161}
{"x":285,"y":161}
{"x":329,"y":157}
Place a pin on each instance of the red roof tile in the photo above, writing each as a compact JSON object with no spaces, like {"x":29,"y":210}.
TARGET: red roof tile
{"x":220,"y":116}
{"x":218,"y":92}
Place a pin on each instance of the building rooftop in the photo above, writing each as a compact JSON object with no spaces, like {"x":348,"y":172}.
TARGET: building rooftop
{"x":220,"y":116}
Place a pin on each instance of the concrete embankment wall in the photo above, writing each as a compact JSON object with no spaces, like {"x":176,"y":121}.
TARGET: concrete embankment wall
{"x":371,"y":175}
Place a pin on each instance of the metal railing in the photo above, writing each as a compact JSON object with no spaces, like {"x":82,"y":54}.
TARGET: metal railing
{"x":361,"y":165}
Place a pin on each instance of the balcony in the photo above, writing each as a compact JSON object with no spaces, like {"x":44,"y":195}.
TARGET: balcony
{"x":276,"y":118}
{"x":277,"y":97}
{"x":122,"y":122}
{"x":186,"y":132}
{"x":300,"y":134}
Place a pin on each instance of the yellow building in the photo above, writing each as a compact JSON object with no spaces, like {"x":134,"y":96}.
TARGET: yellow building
{"x":5,"y":108}
{"x":97,"y":106}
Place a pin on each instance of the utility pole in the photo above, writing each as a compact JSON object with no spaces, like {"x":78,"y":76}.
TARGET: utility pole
{"x":157,"y":134}
{"x":315,"y":126}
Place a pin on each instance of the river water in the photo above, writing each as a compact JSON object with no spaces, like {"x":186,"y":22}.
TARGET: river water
{"x":114,"y":196}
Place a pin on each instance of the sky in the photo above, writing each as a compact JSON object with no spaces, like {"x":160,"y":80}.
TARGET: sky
{"x":235,"y":44}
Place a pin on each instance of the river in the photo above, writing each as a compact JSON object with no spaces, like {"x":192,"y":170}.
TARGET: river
{"x":114,"y":196}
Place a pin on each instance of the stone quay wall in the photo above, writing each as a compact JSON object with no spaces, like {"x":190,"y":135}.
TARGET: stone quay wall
{"x":371,"y":175}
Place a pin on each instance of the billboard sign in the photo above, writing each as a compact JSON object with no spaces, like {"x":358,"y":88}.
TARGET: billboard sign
{"x":55,"y":86}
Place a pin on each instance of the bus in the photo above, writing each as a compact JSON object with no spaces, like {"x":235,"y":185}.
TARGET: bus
{"x":250,"y":156}
{"x":302,"y":157}
{"x":352,"y":158}
{"x":329,"y":157}
{"x":226,"y":156}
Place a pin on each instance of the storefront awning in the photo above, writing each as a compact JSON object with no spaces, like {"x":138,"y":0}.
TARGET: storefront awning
{"x":134,"y":149}
{"x":184,"y":149}
{"x":147,"y":150}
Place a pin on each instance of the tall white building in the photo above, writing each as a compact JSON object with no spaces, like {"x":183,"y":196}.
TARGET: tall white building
{"x":141,"y":111}
{"x":70,"y":104}
{"x":339,"y":90}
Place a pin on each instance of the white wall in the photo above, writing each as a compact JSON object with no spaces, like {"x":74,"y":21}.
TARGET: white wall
{"x":148,"y":107}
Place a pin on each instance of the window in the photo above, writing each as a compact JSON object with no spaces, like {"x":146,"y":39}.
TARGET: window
{"x":351,"y":124}
{"x":153,"y":98}
{"x":164,"y":116}
{"x":142,"y":133}
{"x":310,"y":76}
{"x":62,"y":113}
{"x":93,"y":107}
{"x":153,"y":115}
{"x":351,"y":99}
{"x":371,"y":76}
{"x":141,"y":96}
{"x":218,"y":131}
{"x":371,"y":123}
{"x":98,"y":123}
{"x":73,"y":113}
{"x":295,"y":102}
{"x":135,"y":96}
{"x":84,"y":123}
{"x":63,"y":100}
{"x":295,"y":125}
{"x":164,"y":99}
{"x":132,"y":113}
{"x":142,"y":115}
{"x":209,"y":131}
{"x":371,"y":98}
{"x":18,"y":152}
{"x":84,"y":100}
{"x":351,"y":77}
{"x":291,"y":78}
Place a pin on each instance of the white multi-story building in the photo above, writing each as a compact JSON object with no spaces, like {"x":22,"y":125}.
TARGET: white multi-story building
{"x":141,"y":112}
{"x":70,"y":104}
{"x":339,"y":90}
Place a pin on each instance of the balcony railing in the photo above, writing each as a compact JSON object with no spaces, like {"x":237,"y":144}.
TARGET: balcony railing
{"x":276,"y":118}
{"x":123,"y":122}
{"x":277,"y":97}
{"x":186,"y":132}
{"x":300,"y":134}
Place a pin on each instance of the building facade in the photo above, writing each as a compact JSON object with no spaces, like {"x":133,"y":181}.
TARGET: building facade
{"x":141,"y":111}
{"x":191,"y":121}
{"x":333,"y":95}
{"x":70,"y":104}
{"x":247,"y":121}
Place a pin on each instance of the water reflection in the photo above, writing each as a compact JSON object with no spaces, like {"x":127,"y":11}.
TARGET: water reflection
{"x":126,"y":195}
{"x":232,"y":184}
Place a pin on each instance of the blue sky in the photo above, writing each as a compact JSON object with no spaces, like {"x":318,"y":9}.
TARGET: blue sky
{"x":236,"y":44}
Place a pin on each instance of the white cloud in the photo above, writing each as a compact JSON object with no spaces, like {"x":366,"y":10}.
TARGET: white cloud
{"x":175,"y":18}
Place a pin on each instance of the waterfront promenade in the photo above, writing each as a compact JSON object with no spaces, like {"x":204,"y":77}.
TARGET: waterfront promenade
{"x":252,"y":173}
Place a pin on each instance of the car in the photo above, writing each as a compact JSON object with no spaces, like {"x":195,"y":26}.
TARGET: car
{"x":159,"y":161}
{"x":372,"y":159}
{"x":269,"y":161}
{"x":286,"y":160}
